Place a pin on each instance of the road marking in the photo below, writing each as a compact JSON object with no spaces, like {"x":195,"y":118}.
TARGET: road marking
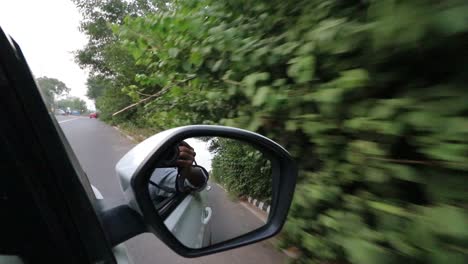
{"x":63,"y":121}
{"x":220,"y":186}
{"x":125,"y":134}
{"x":259,"y":215}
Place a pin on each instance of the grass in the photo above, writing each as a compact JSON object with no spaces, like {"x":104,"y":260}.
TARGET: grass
{"x":138,"y":133}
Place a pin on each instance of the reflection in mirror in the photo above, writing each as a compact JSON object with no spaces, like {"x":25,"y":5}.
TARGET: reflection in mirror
{"x":211,"y":189}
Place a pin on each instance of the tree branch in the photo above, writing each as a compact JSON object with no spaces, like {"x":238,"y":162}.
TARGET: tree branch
{"x":158,"y":94}
{"x":232,"y":82}
{"x":143,"y":94}
{"x":438,"y":163}
{"x":405,"y":161}
{"x":152,"y":107}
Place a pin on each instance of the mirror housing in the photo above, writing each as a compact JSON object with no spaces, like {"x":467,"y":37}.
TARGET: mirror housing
{"x":134,"y":171}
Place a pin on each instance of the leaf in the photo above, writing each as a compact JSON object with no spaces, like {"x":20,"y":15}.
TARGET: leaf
{"x":403,"y":172}
{"x":291,"y":125}
{"x":390,"y":209}
{"x":367,"y":147}
{"x":330,"y":95}
{"x":452,"y":20}
{"x":353,"y":79}
{"x":365,"y":252}
{"x":173,"y":52}
{"x":136,"y":52}
{"x":251,"y":80}
{"x":448,"y":151}
{"x":260,"y":96}
{"x":376,"y":175}
{"x":176,"y":91}
{"x":448,"y":220}
{"x":302,"y":68}
{"x":217,"y":65}
{"x":196,"y":58}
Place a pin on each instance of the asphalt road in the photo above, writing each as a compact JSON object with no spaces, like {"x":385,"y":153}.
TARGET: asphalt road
{"x":99,"y":147}
{"x":230,"y":219}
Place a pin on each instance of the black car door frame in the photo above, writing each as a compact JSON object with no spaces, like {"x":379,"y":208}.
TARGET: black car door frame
{"x":48,"y":205}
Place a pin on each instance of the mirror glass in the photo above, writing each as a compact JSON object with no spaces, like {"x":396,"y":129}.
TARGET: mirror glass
{"x":211,"y":189}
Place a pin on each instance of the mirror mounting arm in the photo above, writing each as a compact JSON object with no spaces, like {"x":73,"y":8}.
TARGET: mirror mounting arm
{"x":121,"y":223}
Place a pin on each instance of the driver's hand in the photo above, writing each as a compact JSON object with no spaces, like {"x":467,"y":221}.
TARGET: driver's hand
{"x":186,"y":155}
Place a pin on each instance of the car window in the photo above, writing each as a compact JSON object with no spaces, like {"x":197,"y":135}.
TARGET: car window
{"x":169,"y":204}
{"x":48,"y":207}
{"x":82,"y":176}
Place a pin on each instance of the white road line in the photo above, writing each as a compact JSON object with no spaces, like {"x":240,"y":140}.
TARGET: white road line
{"x":63,"y":121}
{"x":259,"y":215}
{"x":220,"y":186}
{"x":125,"y":134}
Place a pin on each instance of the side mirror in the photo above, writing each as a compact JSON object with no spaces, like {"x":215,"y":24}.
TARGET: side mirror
{"x":192,"y":187}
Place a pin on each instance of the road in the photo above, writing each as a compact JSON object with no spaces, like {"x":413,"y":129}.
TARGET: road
{"x":98,"y":148}
{"x":230,"y":219}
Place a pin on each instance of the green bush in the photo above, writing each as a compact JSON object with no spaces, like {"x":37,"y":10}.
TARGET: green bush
{"x":241,"y":169}
{"x":370,"y":97}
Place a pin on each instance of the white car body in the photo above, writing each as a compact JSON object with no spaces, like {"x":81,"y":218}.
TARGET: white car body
{"x":190,"y":220}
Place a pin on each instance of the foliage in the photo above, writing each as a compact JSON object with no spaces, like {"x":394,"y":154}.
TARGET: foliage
{"x":111,"y":68}
{"x":241,"y":169}
{"x":51,"y":88}
{"x":369,"y":96}
{"x":74,"y":103}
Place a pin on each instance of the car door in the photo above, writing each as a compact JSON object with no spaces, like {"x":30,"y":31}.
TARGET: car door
{"x":190,"y":220}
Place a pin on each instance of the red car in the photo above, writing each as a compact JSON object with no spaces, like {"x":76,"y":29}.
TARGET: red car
{"x":94,"y":115}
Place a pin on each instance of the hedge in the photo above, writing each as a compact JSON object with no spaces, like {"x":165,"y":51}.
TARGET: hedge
{"x":369,"y":96}
{"x":241,"y":169}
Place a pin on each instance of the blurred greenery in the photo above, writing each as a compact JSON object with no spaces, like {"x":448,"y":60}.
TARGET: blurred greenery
{"x":369,"y":96}
{"x":51,"y":89}
{"x":72,"y":103}
{"x":241,"y":169}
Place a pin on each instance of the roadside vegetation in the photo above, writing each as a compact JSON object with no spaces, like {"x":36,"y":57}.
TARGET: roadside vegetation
{"x":241,"y":169}
{"x":370,"y":98}
{"x":51,"y":89}
{"x":74,"y":103}
{"x":55,"y":95}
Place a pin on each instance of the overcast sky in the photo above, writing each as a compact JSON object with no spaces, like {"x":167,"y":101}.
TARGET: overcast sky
{"x":47,"y":32}
{"x":203,"y":155}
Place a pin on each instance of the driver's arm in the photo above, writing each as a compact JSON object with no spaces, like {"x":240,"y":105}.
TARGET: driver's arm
{"x":163,"y":180}
{"x":194,"y":179}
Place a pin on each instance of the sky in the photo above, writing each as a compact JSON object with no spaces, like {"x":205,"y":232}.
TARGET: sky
{"x":47,"y":32}
{"x":203,"y":155}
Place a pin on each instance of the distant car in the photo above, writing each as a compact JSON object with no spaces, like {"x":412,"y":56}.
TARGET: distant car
{"x":94,"y":115}
{"x":59,"y":112}
{"x":75,"y":112}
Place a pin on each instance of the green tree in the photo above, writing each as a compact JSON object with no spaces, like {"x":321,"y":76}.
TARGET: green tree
{"x":243,"y":170}
{"x":368,"y":96}
{"x":352,"y":89}
{"x":50,"y":89}
{"x":74,"y":103}
{"x":110,"y":66}
{"x":96,"y":85}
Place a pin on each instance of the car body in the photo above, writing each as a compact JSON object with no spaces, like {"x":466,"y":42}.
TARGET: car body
{"x":75,"y":112}
{"x":59,"y":112}
{"x":190,"y":220}
{"x":94,"y":115}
